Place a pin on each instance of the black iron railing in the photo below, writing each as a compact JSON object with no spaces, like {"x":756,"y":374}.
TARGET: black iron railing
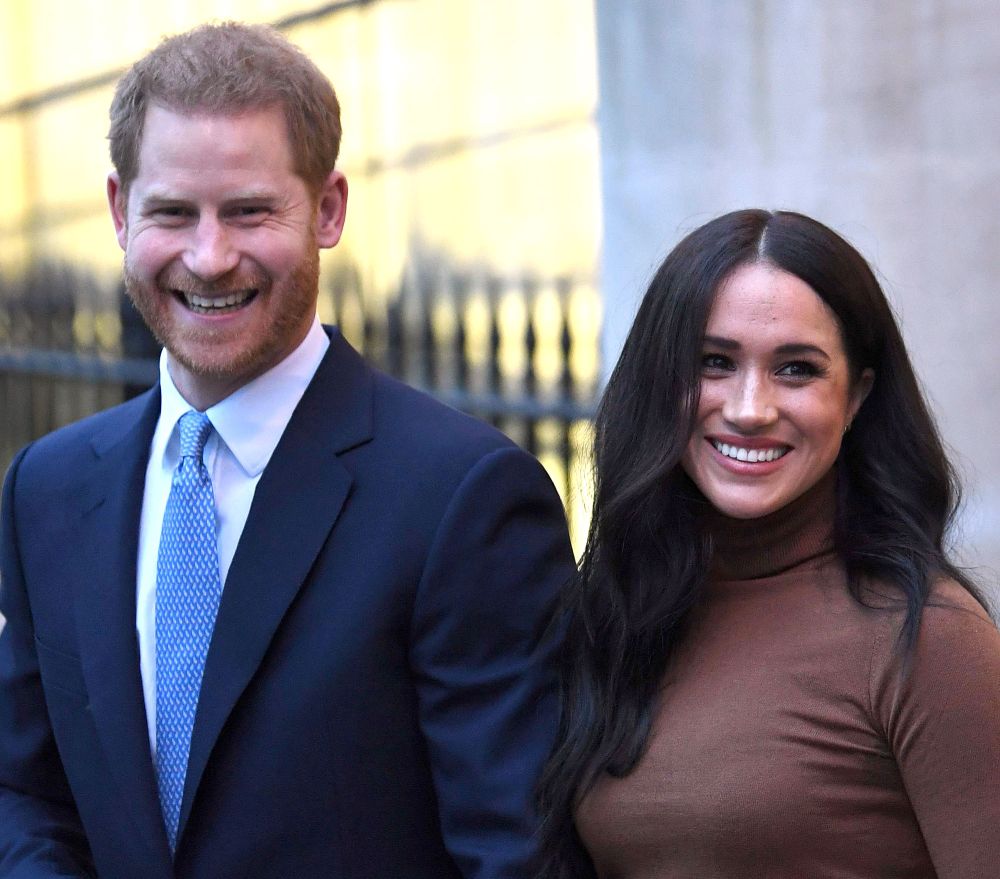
{"x":499,"y":349}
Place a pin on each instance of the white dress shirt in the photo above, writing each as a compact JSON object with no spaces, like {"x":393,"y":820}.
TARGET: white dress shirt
{"x":248,"y":424}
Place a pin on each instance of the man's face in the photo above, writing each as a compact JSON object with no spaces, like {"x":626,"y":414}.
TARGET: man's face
{"x":221,"y":241}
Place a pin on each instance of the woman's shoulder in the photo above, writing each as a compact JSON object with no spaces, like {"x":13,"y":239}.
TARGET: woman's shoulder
{"x":938,"y":706}
{"x":945,"y":598}
{"x":949,"y":595}
{"x":950,"y":612}
{"x":956,"y":627}
{"x":957,"y":649}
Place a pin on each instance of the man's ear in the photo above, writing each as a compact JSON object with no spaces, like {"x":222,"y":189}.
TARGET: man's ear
{"x":331,"y":209}
{"x":118,"y":203}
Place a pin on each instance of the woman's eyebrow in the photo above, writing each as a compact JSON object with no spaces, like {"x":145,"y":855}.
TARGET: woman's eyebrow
{"x":789,"y":349}
{"x":798,"y":348}
{"x":721,"y":342}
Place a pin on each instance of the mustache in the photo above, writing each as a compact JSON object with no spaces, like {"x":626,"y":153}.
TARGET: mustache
{"x":176,"y":277}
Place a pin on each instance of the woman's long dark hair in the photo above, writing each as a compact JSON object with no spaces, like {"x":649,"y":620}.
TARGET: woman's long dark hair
{"x":646,"y":557}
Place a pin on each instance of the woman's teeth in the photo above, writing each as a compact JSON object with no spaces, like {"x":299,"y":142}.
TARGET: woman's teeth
{"x":751,"y":456}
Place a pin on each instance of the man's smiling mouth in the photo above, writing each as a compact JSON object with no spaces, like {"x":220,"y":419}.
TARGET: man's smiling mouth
{"x":216,"y":304}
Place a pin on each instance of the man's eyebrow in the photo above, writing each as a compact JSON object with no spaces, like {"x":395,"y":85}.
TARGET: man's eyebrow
{"x":158,"y":195}
{"x":165,"y":195}
{"x":153,"y":198}
{"x":789,"y":349}
{"x":251,"y":195}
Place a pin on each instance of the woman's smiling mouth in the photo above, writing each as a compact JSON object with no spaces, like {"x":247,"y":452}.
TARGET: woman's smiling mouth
{"x":750,"y":456}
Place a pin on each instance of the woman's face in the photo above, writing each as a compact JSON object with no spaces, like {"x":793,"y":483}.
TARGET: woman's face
{"x":776,"y":393}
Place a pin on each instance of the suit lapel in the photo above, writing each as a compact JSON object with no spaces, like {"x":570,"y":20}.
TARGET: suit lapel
{"x":110,"y":505}
{"x":298,"y":499}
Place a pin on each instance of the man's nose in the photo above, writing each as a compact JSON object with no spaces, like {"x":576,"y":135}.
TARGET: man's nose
{"x":211,"y":253}
{"x":751,"y":406}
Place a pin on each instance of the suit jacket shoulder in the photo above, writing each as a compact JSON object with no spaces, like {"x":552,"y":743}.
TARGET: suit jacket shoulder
{"x":57,"y":460}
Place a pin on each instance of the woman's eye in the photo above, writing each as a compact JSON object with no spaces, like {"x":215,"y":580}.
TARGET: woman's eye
{"x":716,"y":362}
{"x":799,"y":369}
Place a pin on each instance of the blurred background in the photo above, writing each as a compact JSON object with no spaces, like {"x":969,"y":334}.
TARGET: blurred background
{"x":517,"y":170}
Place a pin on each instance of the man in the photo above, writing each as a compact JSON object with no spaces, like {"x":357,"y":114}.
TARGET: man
{"x":281,"y":616}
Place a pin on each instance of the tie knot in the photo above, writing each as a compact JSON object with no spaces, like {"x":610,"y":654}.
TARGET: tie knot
{"x":195,"y":429}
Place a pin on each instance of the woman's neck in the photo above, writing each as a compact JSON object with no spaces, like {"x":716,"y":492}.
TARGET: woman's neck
{"x":746,"y":549}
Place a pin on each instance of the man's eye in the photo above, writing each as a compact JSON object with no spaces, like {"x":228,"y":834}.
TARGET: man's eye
{"x":171,"y":212}
{"x":250,"y":211}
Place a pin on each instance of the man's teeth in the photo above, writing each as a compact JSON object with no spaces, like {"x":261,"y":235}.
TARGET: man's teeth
{"x":227,"y":301}
{"x":751,"y":456}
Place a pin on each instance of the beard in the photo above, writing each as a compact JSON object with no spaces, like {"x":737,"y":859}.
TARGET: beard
{"x":283,"y":313}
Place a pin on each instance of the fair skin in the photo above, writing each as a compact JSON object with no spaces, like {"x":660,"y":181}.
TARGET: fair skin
{"x":776,"y":394}
{"x":221,"y":241}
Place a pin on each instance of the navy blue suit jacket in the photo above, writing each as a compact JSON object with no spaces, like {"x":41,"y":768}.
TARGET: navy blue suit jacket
{"x":378,"y":694}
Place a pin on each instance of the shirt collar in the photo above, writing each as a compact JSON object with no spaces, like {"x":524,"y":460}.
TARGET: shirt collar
{"x":251,"y":420}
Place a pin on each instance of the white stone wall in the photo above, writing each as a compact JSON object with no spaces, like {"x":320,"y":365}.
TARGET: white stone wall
{"x":879,"y":117}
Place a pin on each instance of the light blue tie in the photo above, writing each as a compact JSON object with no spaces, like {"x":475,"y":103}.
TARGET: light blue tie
{"x":188,"y":589}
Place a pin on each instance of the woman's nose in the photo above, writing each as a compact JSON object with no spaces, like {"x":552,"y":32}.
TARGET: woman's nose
{"x":751,"y":405}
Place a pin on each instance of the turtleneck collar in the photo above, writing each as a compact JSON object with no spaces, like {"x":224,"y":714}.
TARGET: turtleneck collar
{"x":748,"y":549}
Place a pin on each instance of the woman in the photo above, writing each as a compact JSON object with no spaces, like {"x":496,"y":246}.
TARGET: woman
{"x":772,"y":668}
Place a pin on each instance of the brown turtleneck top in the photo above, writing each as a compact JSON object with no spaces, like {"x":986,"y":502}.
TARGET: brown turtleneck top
{"x":786,"y":744}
